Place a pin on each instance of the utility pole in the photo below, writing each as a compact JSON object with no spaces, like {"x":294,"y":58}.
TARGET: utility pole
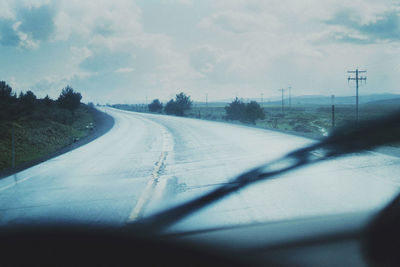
{"x":262,"y":99}
{"x":290,"y":96}
{"x":357,"y":78}
{"x":282,"y":90}
{"x":207,"y":100}
{"x":333,"y":112}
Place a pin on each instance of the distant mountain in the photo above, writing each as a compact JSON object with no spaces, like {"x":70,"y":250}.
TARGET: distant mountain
{"x":339,"y":100}
{"x":386,"y":102}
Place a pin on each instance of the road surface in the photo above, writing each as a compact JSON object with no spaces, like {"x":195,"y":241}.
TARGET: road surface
{"x":150,"y":162}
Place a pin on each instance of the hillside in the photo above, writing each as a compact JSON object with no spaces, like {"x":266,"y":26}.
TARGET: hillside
{"x":339,"y":100}
{"x":40,"y":126}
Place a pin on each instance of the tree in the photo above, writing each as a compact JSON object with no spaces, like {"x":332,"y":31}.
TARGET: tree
{"x":155,"y":106}
{"x":27,"y":100}
{"x":250,"y":112}
{"x":6,"y":94}
{"x":253,"y":112}
{"x":69,"y":99}
{"x":8,"y":105}
{"x":171,"y":107}
{"x":178,"y":106}
{"x":235,"y":110}
{"x":48,"y":101}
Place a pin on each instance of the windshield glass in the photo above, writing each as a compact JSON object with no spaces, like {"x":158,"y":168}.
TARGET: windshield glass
{"x":112,"y":111}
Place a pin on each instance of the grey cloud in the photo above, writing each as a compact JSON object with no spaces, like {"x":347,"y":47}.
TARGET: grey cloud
{"x":8,"y":36}
{"x":226,"y":23}
{"x":38,"y":22}
{"x":205,"y":60}
{"x":103,"y":29}
{"x":385,"y":28}
{"x":106,"y":61}
{"x":140,"y":59}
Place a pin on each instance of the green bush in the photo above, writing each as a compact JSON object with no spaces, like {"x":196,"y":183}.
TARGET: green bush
{"x":155,"y":106}
{"x":250,"y":112}
{"x":178,"y":106}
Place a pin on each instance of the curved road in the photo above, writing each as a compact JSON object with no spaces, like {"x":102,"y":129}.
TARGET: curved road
{"x":149,"y":162}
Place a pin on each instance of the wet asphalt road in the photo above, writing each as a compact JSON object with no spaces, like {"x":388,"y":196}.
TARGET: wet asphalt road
{"x":150,"y":162}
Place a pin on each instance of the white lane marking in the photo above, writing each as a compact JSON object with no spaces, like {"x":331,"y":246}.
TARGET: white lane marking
{"x":149,"y":191}
{"x":13,"y":184}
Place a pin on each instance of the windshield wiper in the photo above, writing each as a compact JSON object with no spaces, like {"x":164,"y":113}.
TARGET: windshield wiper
{"x":346,"y":140}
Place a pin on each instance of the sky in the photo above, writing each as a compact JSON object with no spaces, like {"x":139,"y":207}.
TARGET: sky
{"x":125,"y":51}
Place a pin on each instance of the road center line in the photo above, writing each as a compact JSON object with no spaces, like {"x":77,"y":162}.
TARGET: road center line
{"x":144,"y":198}
{"x":151,"y":184}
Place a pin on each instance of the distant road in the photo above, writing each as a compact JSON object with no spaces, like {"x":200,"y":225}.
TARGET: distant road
{"x":148,"y":162}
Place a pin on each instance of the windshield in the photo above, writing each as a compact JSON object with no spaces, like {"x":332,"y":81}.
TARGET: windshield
{"x":114,"y":111}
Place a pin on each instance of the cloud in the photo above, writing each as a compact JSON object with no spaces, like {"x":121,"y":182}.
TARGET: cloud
{"x":212,"y":63}
{"x":383,"y":26}
{"x":105,"y":61}
{"x":8,"y":35}
{"x":139,"y":48}
{"x":27,"y":26}
{"x":90,"y":18}
{"x":37,"y":22}
{"x":239,"y":22}
{"x":124,"y":70}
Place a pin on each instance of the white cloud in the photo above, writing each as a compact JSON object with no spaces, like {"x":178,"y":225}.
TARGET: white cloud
{"x":6,"y":10}
{"x":249,"y":45}
{"x":124,"y":70}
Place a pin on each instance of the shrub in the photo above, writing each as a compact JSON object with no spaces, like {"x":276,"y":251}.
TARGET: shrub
{"x":178,"y":106}
{"x":235,"y":110}
{"x":253,"y":112}
{"x":250,"y":112}
{"x":155,"y":106}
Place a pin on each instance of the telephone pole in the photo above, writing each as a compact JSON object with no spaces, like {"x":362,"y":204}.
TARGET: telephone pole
{"x":333,"y":111}
{"x":262,"y":99}
{"x":358,"y":79}
{"x":290,"y":96}
{"x":282,"y":90}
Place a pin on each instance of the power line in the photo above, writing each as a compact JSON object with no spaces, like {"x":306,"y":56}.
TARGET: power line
{"x":358,"y":79}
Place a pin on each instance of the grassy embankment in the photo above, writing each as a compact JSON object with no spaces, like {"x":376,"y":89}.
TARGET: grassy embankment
{"x":311,"y":119}
{"x":42,"y":132}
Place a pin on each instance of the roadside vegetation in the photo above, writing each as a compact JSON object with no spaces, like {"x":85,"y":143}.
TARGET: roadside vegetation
{"x":179,"y":105}
{"x":309,"y":120}
{"x":39,"y":126}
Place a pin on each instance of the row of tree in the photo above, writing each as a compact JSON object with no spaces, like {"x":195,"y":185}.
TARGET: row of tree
{"x":13,"y":106}
{"x":176,"y":106}
{"x":237,"y":110}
